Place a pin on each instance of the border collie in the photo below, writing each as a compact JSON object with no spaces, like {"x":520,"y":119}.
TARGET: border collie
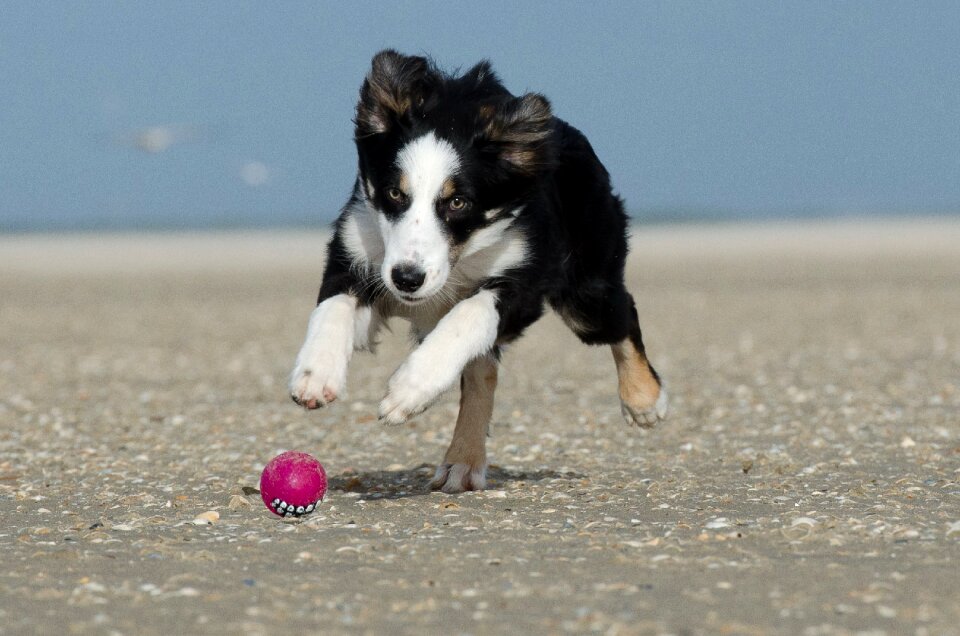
{"x":472,"y":210}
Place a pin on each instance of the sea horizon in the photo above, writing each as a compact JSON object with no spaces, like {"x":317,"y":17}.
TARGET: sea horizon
{"x":241,"y":222}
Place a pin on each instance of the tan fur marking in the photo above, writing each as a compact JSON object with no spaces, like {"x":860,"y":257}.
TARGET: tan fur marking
{"x":522,"y":131}
{"x":383,"y":90}
{"x":468,"y":445}
{"x":390,"y":89}
{"x":520,"y":157}
{"x":404,"y":184}
{"x":638,"y":386}
{"x":448,"y":189}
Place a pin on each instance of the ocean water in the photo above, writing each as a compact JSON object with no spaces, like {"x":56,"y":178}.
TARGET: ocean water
{"x":174,"y":221}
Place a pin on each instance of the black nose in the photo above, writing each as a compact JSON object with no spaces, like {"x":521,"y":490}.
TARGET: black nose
{"x":407,"y":277}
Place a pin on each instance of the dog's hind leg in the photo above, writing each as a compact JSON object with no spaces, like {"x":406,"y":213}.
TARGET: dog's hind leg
{"x":643,"y":400}
{"x":610,"y":317}
{"x":464,"y":466}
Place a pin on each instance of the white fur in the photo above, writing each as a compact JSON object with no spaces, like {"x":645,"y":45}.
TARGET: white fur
{"x":321,"y":369}
{"x":416,"y":238}
{"x":490,"y":251}
{"x":367,"y":323}
{"x":662,"y":404}
{"x":467,"y":331}
{"x":485,"y":237}
{"x":361,"y":237}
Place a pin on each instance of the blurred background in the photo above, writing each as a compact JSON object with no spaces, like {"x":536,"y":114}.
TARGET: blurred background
{"x":183,"y":115}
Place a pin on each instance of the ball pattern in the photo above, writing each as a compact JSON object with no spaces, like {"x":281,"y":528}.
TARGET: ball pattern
{"x":293,"y":484}
{"x":284,"y":509}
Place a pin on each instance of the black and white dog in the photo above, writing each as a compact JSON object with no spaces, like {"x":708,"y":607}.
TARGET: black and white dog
{"x":472,"y":209}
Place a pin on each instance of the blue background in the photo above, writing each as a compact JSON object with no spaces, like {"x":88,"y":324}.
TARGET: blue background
{"x":699,"y":109}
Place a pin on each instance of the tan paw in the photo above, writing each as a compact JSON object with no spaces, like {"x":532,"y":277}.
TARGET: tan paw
{"x":645,"y":412}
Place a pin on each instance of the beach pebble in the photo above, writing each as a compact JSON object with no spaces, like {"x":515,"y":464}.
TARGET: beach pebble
{"x":206,"y":518}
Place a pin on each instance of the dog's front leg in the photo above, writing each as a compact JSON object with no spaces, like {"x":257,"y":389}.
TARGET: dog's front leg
{"x":468,"y":331}
{"x":336,"y":326}
{"x":464,"y":466}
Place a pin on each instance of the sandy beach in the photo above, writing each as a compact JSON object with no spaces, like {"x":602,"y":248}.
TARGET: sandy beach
{"x":806,"y":482}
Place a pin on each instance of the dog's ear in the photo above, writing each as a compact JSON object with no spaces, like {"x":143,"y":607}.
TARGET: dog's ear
{"x":395,"y":85}
{"x":481,"y":74}
{"x":518,"y":131}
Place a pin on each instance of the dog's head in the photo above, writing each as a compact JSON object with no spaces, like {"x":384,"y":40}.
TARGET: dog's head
{"x":445,"y":163}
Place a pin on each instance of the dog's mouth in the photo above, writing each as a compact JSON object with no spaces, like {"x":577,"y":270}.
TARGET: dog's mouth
{"x":410,"y":299}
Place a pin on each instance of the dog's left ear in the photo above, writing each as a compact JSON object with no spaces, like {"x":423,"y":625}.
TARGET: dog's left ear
{"x":395,"y":85}
{"x":519,"y":132}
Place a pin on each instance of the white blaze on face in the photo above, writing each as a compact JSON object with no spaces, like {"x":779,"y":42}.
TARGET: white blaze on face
{"x":416,"y":238}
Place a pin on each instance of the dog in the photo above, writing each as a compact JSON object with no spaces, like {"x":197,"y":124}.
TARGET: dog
{"x":472,"y":210}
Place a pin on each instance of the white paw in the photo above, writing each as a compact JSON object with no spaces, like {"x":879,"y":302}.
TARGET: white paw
{"x":410,"y":392}
{"x":321,"y":369}
{"x":319,"y":379}
{"x":646,"y":416}
{"x":453,"y":478}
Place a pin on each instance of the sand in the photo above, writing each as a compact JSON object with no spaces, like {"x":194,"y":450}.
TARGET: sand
{"x":806,"y":481}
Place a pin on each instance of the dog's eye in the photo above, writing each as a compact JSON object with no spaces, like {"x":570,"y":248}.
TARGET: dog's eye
{"x":395,"y":194}
{"x":457,"y":204}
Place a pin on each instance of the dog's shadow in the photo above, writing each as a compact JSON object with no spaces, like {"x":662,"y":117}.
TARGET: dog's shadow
{"x":414,"y":482}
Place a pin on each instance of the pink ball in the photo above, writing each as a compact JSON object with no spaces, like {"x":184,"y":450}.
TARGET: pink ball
{"x":292,"y":484}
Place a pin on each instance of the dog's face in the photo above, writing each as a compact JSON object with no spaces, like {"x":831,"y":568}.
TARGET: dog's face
{"x":445,"y":164}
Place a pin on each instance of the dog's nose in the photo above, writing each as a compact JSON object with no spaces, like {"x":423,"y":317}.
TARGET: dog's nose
{"x":407,"y":277}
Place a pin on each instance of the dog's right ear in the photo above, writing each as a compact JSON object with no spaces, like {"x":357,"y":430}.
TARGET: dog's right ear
{"x":396,"y":84}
